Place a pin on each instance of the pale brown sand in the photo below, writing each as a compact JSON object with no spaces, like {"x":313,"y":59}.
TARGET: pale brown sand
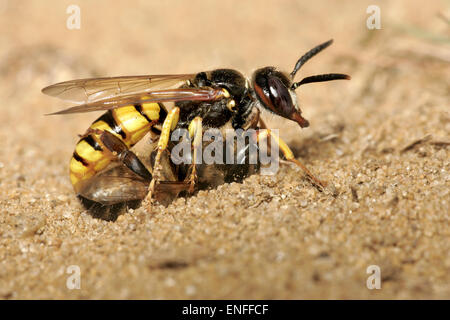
{"x":270,"y":237}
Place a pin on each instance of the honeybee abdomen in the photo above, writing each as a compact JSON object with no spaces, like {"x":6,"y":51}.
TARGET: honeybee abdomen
{"x":129,"y":123}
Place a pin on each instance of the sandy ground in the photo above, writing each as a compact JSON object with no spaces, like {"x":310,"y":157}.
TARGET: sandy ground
{"x":381,"y":139}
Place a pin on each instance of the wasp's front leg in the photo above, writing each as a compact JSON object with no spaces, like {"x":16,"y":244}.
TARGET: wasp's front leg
{"x":289,"y":155}
{"x":195,"y":133}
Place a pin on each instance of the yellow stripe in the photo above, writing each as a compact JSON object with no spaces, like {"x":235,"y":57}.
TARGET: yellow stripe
{"x":130,"y":119}
{"x":88,"y":153}
{"x":77,"y":166}
{"x":74,"y":179}
{"x":101,"y":164}
{"x":138,"y":135}
{"x":101,"y":125}
{"x":151,"y":110}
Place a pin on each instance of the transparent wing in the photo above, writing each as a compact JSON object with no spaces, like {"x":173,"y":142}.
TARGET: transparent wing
{"x":168,"y":95}
{"x":83,"y":91}
{"x":98,"y":94}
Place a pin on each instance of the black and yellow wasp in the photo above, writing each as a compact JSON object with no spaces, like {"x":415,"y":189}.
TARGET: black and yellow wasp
{"x":104,"y":170}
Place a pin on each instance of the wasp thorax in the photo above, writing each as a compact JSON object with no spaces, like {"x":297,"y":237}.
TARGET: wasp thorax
{"x":273,"y":89}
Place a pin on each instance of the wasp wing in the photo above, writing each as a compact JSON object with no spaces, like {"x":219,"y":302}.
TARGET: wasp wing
{"x":98,"y":94}
{"x":82,"y":91}
{"x":169,"y":95}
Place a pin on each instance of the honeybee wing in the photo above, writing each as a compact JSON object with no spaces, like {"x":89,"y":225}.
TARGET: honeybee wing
{"x":114,"y":92}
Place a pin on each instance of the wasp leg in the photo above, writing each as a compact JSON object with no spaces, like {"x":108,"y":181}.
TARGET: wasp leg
{"x":168,"y":126}
{"x":124,"y":155}
{"x":262,"y":125}
{"x":265,"y":133}
{"x":195,"y":132}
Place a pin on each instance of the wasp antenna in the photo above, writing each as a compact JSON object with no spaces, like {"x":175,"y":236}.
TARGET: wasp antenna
{"x":321,"y":78}
{"x":311,"y":53}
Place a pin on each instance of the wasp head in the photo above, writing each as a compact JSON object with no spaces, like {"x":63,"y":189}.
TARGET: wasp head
{"x":276,"y":90}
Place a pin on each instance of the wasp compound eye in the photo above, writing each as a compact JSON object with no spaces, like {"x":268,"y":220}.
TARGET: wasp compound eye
{"x":268,"y":89}
{"x":280,"y":97}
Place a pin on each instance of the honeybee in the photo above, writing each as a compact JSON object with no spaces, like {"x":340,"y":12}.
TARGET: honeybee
{"x":105,"y":171}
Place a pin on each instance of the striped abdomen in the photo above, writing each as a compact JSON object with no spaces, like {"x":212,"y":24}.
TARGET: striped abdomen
{"x":130,"y":124}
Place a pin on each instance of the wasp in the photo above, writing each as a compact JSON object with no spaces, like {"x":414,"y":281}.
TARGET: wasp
{"x":105,"y":170}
